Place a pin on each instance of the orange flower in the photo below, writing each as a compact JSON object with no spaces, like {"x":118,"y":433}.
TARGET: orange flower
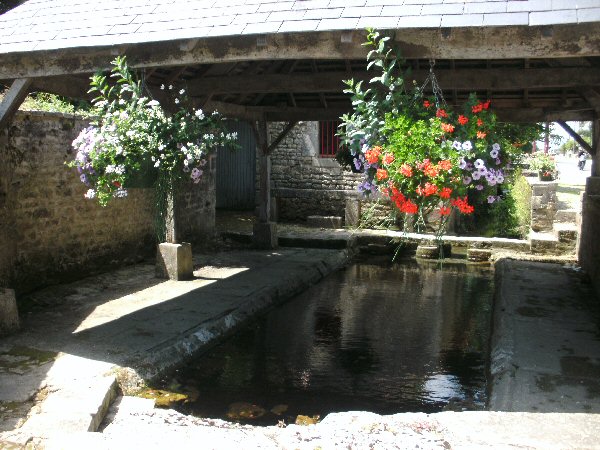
{"x":388,"y":158}
{"x":431,"y":170}
{"x":445,"y":164}
{"x":481,"y":135}
{"x":441,"y":113}
{"x":447,"y":128}
{"x":430,"y":189}
{"x":382,"y":174}
{"x":406,"y":170}
{"x":373,"y":155}
{"x":479,"y":122}
{"x":446,"y":192}
{"x":463,"y":120}
{"x":445,"y":210}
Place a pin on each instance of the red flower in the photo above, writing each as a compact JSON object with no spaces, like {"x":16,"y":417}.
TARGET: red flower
{"x":406,"y":170}
{"x":446,"y":127}
{"x":477,"y":108}
{"x":427,"y":104}
{"x":382,"y":174}
{"x":463,"y":205}
{"x":481,"y":135}
{"x":409,"y":207}
{"x":388,"y":158}
{"x":463,"y":120}
{"x":373,"y":155}
{"x":441,"y":113}
{"x":486,"y":105}
{"x":117,"y":184}
{"x":446,"y":192}
{"x":445,"y":164}
{"x":445,"y":210}
{"x":479,"y":122}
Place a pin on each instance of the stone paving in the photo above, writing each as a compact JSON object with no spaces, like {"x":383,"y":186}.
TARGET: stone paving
{"x":80,"y":340}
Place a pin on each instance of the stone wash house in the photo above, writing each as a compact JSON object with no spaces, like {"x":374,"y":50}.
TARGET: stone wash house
{"x":277,"y":67}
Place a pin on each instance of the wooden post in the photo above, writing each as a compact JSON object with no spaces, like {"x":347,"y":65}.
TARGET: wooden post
{"x":264,"y":167}
{"x":595,"y":145}
{"x":170,"y":229}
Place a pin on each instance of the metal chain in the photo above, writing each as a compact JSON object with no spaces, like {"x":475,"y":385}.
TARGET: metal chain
{"x":435,"y":86}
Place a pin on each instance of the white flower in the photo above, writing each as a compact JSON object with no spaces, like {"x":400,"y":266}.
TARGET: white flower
{"x":120,"y":193}
{"x":110,"y":168}
{"x":170,"y":87}
{"x":476,"y":175}
{"x":457,"y":145}
{"x":162,"y":87}
{"x":479,"y":163}
{"x":90,"y":194}
{"x":176,"y":101}
{"x":467,"y":145}
{"x":199,"y":114}
{"x":182,"y":91}
{"x":157,"y":163}
{"x":494,"y":153}
{"x":153,"y":102}
{"x":496,"y":146}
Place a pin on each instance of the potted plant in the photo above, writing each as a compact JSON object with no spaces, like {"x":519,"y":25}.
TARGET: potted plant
{"x":544,"y":165}
{"x":133,"y":137}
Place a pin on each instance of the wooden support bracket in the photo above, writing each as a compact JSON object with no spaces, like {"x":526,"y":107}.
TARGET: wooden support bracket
{"x":13,"y":99}
{"x":576,"y":136}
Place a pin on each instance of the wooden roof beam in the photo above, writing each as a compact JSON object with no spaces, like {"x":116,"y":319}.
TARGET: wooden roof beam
{"x":461,"y":79}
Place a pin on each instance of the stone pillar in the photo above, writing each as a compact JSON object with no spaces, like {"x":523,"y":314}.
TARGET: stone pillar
{"x":174,"y":261}
{"x":7,"y":226}
{"x":9,"y":315}
{"x":543,"y":204}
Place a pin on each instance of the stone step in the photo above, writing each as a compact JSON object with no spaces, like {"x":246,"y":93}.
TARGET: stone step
{"x":566,"y":232}
{"x":543,"y":242}
{"x":565,"y":216}
{"x":324,"y":221}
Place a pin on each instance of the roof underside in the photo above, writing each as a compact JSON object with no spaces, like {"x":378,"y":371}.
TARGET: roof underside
{"x":535,"y":59}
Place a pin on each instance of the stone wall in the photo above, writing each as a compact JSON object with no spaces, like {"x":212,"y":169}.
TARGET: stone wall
{"x":303,"y":183}
{"x":589,"y":241}
{"x":49,"y":232}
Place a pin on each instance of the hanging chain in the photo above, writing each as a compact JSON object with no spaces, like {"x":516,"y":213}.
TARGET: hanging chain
{"x":435,"y":86}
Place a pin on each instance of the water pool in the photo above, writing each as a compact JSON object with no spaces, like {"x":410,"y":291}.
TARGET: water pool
{"x":387,"y":338}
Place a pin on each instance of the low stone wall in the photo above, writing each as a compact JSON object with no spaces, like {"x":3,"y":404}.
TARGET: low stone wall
{"x":543,"y":204}
{"x":589,"y":242}
{"x":49,"y":233}
{"x":303,"y":183}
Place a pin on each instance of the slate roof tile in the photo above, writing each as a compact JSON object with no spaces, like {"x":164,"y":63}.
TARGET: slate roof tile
{"x":47,"y":24}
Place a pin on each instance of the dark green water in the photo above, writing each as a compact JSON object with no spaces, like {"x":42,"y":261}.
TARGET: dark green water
{"x":384,"y":338}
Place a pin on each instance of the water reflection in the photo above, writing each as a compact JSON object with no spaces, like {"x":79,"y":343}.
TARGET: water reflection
{"x":391,"y":338}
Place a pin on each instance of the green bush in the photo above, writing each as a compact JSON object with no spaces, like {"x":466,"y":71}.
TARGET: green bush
{"x":521,"y":196}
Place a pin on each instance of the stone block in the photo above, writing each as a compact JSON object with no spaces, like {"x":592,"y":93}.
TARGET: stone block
{"x":478,"y":255}
{"x":265,"y":235}
{"x":9,"y":315}
{"x":174,"y":261}
{"x":592,"y":185}
{"x":352,"y":212}
{"x":324,"y":221}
